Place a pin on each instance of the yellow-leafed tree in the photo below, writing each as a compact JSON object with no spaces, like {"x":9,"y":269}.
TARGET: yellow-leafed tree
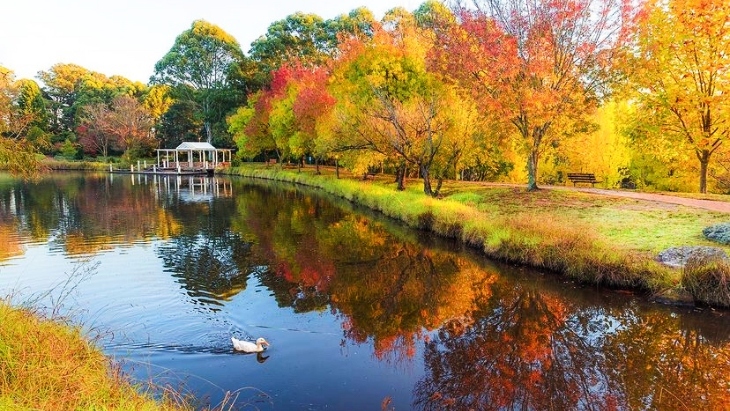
{"x":679,"y":66}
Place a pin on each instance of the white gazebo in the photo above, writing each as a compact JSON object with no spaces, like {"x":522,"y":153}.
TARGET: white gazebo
{"x":193,"y":155}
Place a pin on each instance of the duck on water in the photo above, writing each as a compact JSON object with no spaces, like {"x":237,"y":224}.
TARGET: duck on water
{"x":247,"y":346}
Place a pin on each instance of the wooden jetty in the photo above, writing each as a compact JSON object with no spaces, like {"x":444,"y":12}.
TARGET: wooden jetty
{"x":182,"y":161}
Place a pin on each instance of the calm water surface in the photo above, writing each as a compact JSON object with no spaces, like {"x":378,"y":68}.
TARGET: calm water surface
{"x":361,"y":313}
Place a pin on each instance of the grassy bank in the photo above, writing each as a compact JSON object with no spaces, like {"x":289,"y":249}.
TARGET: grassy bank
{"x":58,"y":165}
{"x":586,"y":237}
{"x":48,"y":365}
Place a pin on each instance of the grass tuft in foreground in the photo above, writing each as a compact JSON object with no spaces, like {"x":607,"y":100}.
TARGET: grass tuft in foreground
{"x":49,"y":365}
{"x":708,"y":280}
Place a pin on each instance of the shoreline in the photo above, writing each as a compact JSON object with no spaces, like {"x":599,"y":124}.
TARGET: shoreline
{"x":567,"y":251}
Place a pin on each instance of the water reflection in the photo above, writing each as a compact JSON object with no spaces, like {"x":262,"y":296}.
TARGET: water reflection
{"x":533,"y":349}
{"x":481,"y":336}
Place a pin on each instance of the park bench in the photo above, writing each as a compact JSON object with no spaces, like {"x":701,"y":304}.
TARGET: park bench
{"x":582,"y":178}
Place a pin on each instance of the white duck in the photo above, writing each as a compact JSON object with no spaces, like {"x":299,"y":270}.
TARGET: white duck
{"x":247,"y":346}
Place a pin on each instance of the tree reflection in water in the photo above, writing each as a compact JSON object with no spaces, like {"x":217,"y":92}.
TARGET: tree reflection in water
{"x":532,"y":350}
{"x":387,"y":287}
{"x":206,"y":267}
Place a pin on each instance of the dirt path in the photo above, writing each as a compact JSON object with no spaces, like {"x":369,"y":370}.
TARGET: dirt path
{"x":719,"y":206}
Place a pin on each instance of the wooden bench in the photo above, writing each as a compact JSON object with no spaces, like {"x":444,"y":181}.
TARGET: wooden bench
{"x":582,"y":178}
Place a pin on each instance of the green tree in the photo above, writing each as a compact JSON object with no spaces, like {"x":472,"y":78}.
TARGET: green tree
{"x":359,"y":23}
{"x":32,"y":104}
{"x":199,"y":68}
{"x":61,"y":84}
{"x":181,"y":122}
{"x":299,"y":37}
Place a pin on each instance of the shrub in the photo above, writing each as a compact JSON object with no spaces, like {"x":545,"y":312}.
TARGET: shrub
{"x":719,"y":233}
{"x":707,"y":279}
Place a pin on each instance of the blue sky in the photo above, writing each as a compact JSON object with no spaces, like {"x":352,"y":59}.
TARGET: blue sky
{"x":127,"y":37}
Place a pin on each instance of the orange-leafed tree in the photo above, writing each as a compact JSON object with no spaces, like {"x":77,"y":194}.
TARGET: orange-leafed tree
{"x":538,"y":65}
{"x":679,"y":64}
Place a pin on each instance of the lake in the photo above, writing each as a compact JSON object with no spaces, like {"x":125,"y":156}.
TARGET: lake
{"x":361,"y":312}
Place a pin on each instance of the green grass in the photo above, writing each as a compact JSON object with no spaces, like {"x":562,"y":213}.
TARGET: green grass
{"x":586,"y":236}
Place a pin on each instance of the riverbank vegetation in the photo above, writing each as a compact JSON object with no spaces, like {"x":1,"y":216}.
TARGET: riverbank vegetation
{"x":47,"y":364}
{"x":587,"y":237}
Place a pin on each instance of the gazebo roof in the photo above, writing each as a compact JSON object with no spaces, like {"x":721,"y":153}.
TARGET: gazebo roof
{"x":195,"y":146}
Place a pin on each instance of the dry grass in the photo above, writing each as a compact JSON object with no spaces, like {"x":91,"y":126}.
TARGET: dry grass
{"x":708,"y":280}
{"x":48,"y":365}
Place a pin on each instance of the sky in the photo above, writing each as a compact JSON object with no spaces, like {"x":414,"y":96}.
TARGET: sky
{"x":127,"y":37}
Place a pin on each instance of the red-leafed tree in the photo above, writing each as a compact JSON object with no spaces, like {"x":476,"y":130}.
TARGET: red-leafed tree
{"x":538,"y":65}
{"x":125,"y":126}
{"x":94,"y":135}
{"x":251,"y":125}
{"x":312,"y":102}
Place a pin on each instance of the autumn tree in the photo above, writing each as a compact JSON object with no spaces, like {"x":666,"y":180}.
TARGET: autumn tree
{"x":95,"y":136}
{"x":125,"y":125}
{"x":679,"y":65}
{"x":254,"y":129}
{"x":537,"y":64}
{"x":130,"y":124}
{"x":199,"y":68}
{"x":397,"y":107}
{"x":70,"y":88}
{"x":16,"y":154}
{"x":157,"y":101}
{"x":312,"y":103}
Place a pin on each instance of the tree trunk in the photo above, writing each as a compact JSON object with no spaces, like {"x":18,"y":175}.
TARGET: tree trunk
{"x":208,"y":133}
{"x":532,"y":160}
{"x":400,"y":175}
{"x":426,"y":180}
{"x":337,"y":169}
{"x":439,"y":183}
{"x":534,"y":157}
{"x":704,"y":157}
